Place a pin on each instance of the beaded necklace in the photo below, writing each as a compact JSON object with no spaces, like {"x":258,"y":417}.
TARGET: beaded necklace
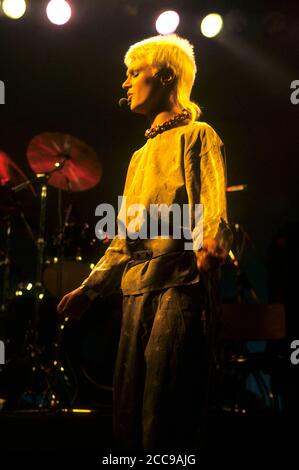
{"x":153,"y":131}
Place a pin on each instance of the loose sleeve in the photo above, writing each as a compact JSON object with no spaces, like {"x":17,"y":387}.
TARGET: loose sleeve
{"x":205,"y":183}
{"x":105,"y":278}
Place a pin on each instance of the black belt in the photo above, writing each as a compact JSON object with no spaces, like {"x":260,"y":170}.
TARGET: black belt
{"x":151,"y":248}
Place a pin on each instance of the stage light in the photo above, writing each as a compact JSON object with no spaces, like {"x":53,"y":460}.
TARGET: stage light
{"x":59,"y":12}
{"x":211,"y":25}
{"x":14,"y":9}
{"x":167,"y":22}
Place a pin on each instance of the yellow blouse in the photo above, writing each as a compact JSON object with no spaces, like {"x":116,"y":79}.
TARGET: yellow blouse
{"x":183,"y":165}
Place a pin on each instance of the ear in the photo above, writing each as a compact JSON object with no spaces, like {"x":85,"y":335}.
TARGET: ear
{"x":166,"y":76}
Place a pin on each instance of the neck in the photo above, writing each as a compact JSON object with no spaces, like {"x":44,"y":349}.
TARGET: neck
{"x":167,"y":109}
{"x":158,"y":118}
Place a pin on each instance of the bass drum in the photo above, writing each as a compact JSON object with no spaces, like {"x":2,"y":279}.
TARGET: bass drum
{"x":64,"y":275}
{"x":67,"y":266}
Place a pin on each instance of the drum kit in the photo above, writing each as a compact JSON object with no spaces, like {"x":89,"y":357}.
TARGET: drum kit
{"x":62,"y":260}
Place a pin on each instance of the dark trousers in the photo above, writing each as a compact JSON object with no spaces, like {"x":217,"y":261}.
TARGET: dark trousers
{"x":159,"y":380}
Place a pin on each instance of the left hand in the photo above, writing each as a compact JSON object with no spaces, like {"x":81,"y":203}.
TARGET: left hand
{"x":211,"y":256}
{"x":74,"y":304}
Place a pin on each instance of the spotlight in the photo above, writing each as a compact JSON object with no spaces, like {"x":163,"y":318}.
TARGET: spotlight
{"x":59,"y":12}
{"x":167,"y":22}
{"x":14,"y":9}
{"x":211,"y":25}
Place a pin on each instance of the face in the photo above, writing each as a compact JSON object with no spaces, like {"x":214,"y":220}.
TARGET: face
{"x":145,"y":91}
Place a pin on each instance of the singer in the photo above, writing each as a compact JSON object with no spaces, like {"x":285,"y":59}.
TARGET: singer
{"x":170,"y":301}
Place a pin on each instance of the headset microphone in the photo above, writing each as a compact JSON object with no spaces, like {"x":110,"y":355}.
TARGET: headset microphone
{"x":123,"y":102}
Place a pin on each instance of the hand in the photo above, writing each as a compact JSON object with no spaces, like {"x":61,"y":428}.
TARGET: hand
{"x":74,"y":304}
{"x":211,"y":256}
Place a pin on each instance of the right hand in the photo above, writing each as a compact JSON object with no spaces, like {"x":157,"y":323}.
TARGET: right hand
{"x":74,"y":304}
{"x":211,"y":256}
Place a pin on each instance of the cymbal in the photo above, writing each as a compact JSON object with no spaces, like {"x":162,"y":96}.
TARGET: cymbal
{"x":10,"y":174}
{"x":81,"y":168}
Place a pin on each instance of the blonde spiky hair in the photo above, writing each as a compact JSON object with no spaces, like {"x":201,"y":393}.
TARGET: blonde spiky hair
{"x":175,"y":52}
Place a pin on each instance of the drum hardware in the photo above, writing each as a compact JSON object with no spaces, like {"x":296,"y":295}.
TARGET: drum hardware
{"x":12,"y":181}
{"x":31,"y":345}
{"x":72,"y":166}
{"x":37,"y":371}
{"x":245,"y":318}
{"x":252,"y":322}
{"x":68,"y":164}
{"x":72,"y":253}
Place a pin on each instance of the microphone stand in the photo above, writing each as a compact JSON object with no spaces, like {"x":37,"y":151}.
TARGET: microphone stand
{"x":243,"y":283}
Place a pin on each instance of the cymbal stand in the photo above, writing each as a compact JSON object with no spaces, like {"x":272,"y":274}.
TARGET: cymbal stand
{"x":31,"y":342}
{"x":61,"y":236}
{"x":43,"y":177}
